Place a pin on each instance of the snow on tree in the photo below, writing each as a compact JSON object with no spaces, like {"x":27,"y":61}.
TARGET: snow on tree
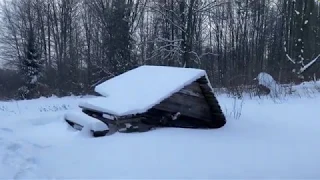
{"x":298,"y":53}
{"x":30,"y":67}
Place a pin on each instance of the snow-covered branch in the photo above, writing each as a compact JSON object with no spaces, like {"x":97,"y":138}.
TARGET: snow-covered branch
{"x":290,"y":59}
{"x":168,"y":40}
{"x":211,"y":5}
{"x":304,"y":68}
{"x":167,"y":18}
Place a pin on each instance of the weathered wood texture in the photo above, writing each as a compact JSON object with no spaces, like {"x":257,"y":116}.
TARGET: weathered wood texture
{"x":192,"y":90}
{"x":189,"y":102}
{"x":197,"y":102}
{"x":216,"y":111}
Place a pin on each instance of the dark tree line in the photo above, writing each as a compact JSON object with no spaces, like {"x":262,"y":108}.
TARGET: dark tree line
{"x":68,"y":46}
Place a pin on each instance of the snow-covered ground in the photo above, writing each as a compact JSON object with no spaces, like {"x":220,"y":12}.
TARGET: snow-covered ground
{"x":263,"y":138}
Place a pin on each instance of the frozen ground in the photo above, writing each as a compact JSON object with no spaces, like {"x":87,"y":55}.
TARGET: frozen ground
{"x":271,"y":139}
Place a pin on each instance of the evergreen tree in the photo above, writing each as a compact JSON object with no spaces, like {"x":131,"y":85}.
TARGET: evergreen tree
{"x":119,"y":30}
{"x":31,"y":66}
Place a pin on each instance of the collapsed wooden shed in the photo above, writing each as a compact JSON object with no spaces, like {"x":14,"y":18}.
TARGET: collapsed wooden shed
{"x":150,"y":97}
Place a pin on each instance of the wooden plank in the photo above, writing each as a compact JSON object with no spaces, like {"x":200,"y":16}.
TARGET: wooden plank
{"x":202,"y":80}
{"x":187,"y":99}
{"x":186,"y":111}
{"x":190,"y":93}
{"x":187,"y":105}
{"x":194,"y":87}
{"x":101,"y":113}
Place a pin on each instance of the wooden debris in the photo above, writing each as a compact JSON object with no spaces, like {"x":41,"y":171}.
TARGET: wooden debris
{"x":194,"y":106}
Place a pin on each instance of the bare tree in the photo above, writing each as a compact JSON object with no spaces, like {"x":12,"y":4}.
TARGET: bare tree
{"x":72,"y":45}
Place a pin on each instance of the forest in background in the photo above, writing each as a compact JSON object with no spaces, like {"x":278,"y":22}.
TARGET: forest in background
{"x":65,"y":47}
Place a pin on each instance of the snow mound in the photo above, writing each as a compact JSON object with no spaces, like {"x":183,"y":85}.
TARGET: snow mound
{"x":138,"y":90}
{"x":89,"y":123}
{"x":268,"y":81}
{"x":44,"y":106}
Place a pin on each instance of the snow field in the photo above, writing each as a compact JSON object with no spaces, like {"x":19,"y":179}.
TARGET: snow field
{"x":267,"y":140}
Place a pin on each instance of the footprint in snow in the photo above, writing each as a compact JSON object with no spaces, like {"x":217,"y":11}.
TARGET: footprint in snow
{"x":17,"y":156}
{"x":38,"y":146}
{"x":6,"y":130}
{"x":14,"y":147}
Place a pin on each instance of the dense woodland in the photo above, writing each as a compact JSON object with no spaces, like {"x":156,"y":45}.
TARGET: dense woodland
{"x":64,"y":47}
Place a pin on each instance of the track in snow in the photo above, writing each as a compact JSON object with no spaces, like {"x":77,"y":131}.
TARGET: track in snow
{"x":18,"y":156}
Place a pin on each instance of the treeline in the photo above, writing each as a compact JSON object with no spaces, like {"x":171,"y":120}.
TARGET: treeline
{"x":66,"y":47}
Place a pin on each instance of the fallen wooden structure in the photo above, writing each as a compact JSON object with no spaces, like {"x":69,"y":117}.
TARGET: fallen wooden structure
{"x":155,"y":98}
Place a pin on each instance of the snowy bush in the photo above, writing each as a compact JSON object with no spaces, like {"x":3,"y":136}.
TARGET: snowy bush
{"x":236,"y":110}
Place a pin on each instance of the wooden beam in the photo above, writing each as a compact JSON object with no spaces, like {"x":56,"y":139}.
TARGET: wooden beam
{"x":187,"y":105}
{"x":194,"y":87}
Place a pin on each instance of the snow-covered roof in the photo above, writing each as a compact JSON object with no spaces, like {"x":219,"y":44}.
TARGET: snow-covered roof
{"x":138,"y":90}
